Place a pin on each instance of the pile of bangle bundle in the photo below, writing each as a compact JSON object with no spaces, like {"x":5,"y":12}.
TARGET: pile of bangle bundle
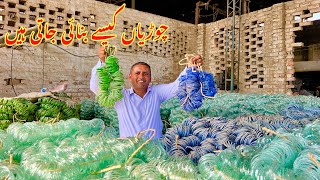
{"x":111,"y":80}
{"x":195,"y":86}
{"x":195,"y":137}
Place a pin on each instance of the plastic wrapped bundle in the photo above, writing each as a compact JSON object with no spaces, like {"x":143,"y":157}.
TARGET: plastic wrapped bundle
{"x":176,"y":168}
{"x":12,"y":171}
{"x":235,"y":105}
{"x":6,"y":112}
{"x":52,"y":110}
{"x":24,"y":109}
{"x":108,"y":115}
{"x":227,"y":165}
{"x":87,"y":109}
{"x":70,"y":111}
{"x":83,"y":155}
{"x":272,"y":122}
{"x":202,"y":112}
{"x":139,"y":166}
{"x":194,"y":137}
{"x":111,"y":118}
{"x":99,"y":111}
{"x":171,"y":103}
{"x":50,"y":107}
{"x":4,"y":124}
{"x":120,"y":173}
{"x":312,"y":132}
{"x":247,"y":153}
{"x":32,"y":132}
{"x":6,"y":109}
{"x":145,"y":171}
{"x":284,"y":151}
{"x":152,"y":151}
{"x":208,"y":167}
{"x":306,"y":101}
{"x":165,"y":112}
{"x":77,"y":156}
{"x":306,"y":166}
{"x":7,"y":143}
{"x":177,"y":116}
{"x":71,"y":158}
{"x":298,"y":112}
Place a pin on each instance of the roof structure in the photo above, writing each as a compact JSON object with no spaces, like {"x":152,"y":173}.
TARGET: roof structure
{"x":184,"y":10}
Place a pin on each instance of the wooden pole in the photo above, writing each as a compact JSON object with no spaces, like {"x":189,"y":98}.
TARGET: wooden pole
{"x":197,"y":13}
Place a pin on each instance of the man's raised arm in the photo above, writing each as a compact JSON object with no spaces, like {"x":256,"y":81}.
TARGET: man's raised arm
{"x":94,"y":80}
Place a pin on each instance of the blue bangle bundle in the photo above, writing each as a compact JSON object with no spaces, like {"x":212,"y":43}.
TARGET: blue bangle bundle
{"x":194,"y":87}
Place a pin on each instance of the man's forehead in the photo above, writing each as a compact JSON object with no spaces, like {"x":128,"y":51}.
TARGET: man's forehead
{"x":139,"y":67}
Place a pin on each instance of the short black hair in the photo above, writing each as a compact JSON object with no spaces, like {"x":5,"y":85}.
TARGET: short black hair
{"x":140,"y":63}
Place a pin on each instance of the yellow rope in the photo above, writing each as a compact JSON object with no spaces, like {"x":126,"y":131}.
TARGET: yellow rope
{"x":187,"y":58}
{"x":132,"y":155}
{"x":15,"y":117}
{"x":273,"y":132}
{"x":185,"y":100}
{"x":176,"y":140}
{"x":221,"y":173}
{"x":147,"y":141}
{"x":101,"y":132}
{"x":313,"y":159}
{"x":278,"y":177}
{"x":210,"y":97}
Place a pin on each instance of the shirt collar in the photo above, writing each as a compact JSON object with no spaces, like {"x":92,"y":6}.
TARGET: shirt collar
{"x":131,"y":90}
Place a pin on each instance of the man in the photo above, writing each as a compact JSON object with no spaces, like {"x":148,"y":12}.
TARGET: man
{"x":139,"y":109}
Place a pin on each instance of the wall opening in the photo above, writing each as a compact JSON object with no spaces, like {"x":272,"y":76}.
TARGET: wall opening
{"x":307,"y":60}
{"x":306,"y":83}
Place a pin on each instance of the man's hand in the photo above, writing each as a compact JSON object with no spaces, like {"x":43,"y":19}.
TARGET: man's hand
{"x":102,"y":54}
{"x":195,"y":61}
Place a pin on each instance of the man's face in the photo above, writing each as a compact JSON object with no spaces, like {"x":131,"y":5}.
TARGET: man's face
{"x":140,"y":77}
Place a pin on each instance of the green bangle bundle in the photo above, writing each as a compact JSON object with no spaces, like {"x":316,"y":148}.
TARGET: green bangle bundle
{"x":111,"y":82}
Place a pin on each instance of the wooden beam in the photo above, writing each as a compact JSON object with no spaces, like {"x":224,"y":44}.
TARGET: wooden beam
{"x":244,"y":7}
{"x":306,"y":66}
{"x":197,"y":13}
{"x":213,"y":7}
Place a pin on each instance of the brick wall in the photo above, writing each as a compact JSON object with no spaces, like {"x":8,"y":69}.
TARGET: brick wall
{"x":51,"y":65}
{"x":266,"y":46}
{"x":297,"y":14}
